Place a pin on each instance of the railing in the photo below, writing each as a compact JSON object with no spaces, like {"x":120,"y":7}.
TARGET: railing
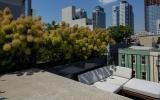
{"x":143,"y":66}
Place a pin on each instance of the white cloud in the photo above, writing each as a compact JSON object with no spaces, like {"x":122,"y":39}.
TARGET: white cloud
{"x":107,"y":1}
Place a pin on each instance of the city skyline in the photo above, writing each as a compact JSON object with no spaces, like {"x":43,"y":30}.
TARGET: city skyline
{"x":57,"y":5}
{"x":73,"y":15}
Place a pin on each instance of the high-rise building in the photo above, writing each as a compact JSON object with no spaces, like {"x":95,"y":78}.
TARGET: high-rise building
{"x":99,"y":17}
{"x":126,"y":15}
{"x":123,"y":15}
{"x":158,"y":26}
{"x":76,"y":16}
{"x":18,"y":7}
{"x":152,"y":14}
{"x":80,"y":13}
{"x":73,"y":16}
{"x":115,"y":15}
{"x":29,"y":7}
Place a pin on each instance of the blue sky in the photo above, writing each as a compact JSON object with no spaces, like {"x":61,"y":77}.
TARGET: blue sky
{"x":51,"y":9}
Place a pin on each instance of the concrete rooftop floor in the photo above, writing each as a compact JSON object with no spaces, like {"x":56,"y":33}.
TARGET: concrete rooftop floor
{"x":36,"y":84}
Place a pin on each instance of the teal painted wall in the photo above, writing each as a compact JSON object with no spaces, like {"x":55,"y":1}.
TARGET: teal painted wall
{"x":138,"y":67}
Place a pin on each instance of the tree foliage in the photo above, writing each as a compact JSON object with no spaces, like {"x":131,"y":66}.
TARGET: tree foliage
{"x":19,"y":39}
{"x":79,"y":42}
{"x":120,"y":33}
{"x":26,"y":41}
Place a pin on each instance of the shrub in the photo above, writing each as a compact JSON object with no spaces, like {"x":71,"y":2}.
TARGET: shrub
{"x":26,"y":41}
{"x":78,"y":42}
{"x":20,"y":40}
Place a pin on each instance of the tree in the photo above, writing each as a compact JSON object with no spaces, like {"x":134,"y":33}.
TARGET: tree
{"x":26,"y":41}
{"x":20,"y":40}
{"x":51,"y":26}
{"x":120,"y":33}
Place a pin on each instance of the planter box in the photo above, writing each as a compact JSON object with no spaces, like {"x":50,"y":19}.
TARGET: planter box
{"x":10,"y":69}
{"x":72,"y":70}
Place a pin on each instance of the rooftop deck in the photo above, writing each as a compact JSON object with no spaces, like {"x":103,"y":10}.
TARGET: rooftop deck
{"x":40,"y":85}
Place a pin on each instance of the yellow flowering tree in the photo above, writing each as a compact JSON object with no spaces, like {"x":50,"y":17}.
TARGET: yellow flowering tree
{"x":26,"y":40}
{"x":78,"y":42}
{"x":20,"y":39}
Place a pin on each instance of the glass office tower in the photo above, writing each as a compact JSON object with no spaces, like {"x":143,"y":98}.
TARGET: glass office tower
{"x":115,"y":15}
{"x":99,"y":17}
{"x":152,"y":15}
{"x":126,"y":15}
{"x":123,"y":15}
{"x":18,"y":7}
{"x":28,"y":6}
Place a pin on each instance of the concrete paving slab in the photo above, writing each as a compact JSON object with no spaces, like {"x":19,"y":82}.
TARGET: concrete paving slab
{"x":36,"y":84}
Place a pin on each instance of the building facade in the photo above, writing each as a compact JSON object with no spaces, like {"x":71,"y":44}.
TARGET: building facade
{"x":158,"y":26}
{"x":154,"y":64}
{"x":115,"y":15}
{"x":99,"y":17}
{"x":74,"y":16}
{"x":29,"y":10}
{"x":126,"y":15}
{"x":152,"y":14}
{"x":18,"y":7}
{"x":148,"y":40}
{"x":123,"y":15}
{"x":80,"y":13}
{"x":142,"y":60}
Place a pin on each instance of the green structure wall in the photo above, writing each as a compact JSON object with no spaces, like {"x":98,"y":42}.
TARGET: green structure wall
{"x":138,"y":67}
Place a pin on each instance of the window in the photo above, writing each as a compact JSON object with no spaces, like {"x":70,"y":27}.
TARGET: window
{"x":98,"y":14}
{"x":143,"y":60}
{"x":144,"y":75}
{"x":123,"y":60}
{"x":133,"y":59}
{"x":134,"y":73}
